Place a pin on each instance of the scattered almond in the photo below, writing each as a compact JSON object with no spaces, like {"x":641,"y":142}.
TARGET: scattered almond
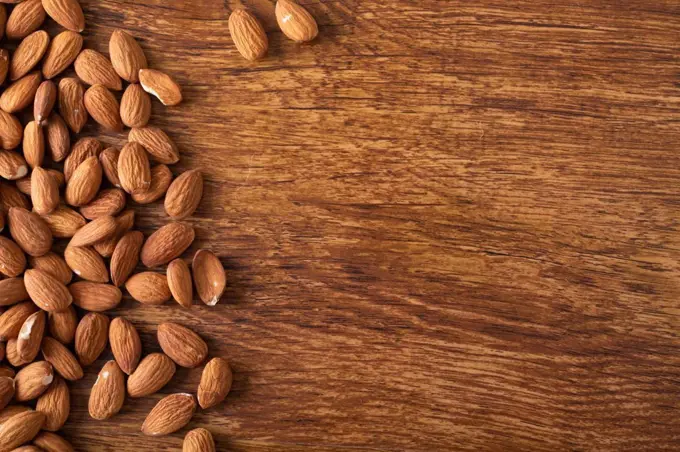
{"x":12,"y":165}
{"x":159,"y":146}
{"x":58,"y":138}
{"x":108,"y":392}
{"x":135,"y":106}
{"x":109,"y":161}
{"x":161,"y":177}
{"x":21,"y":93}
{"x":124,"y":223}
{"x":20,"y":428}
{"x":149,"y":288}
{"x":91,"y":337}
{"x":11,"y":134}
{"x":34,"y":144}
{"x":32,"y":381}
{"x":13,"y":319}
{"x":44,"y":191}
{"x":152,"y":373}
{"x":13,"y":357}
{"x":248,"y":35}
{"x":12,"y":291}
{"x":169,"y":415}
{"x":24,"y":184}
{"x":94,"y":68}
{"x":6,"y":391}
{"x":28,"y":53}
{"x":63,"y":51}
{"x":4,"y":64}
{"x":25,"y":18}
{"x":198,"y":440}
{"x":127,"y":56}
{"x":29,"y":231}
{"x":182,"y":345}
{"x":62,"y":325}
{"x":95,"y":297}
{"x":125,"y":257}
{"x":209,"y":277}
{"x":66,"y":13}
{"x":295,"y":21}
{"x":12,"y":258}
{"x":30,"y":336}
{"x":103,"y":107}
{"x":55,"y":404}
{"x":51,"y":442}
{"x":61,"y":358}
{"x":184,"y":195}
{"x":215,"y":383}
{"x":160,"y":85}
{"x":84,"y":183}
{"x":72,"y":105}
{"x":108,"y":202}
{"x":47,"y":292}
{"x":179,"y":281}
{"x":53,"y":265}
{"x":64,"y":222}
{"x":82,"y":150}
{"x":166,"y":244}
{"x":44,"y":101}
{"x":86,"y":263}
{"x":133,"y":168}
{"x":126,"y":345}
{"x":94,"y":231}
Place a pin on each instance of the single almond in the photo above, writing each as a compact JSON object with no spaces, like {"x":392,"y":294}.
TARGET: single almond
{"x":169,"y":415}
{"x":63,"y":51}
{"x":24,"y":184}
{"x":133,"y":168}
{"x":51,"y":442}
{"x":108,"y":392}
{"x":125,"y":257}
{"x":57,"y":137}
{"x":66,"y":13}
{"x":94,"y":68}
{"x":12,"y":258}
{"x":30,"y":336}
{"x":94,"y":231}
{"x":55,"y":404}
{"x":44,"y":101}
{"x":295,"y":21}
{"x":86,"y":263}
{"x":198,"y":440}
{"x":184,"y":195}
{"x":20,"y":428}
{"x":34,"y":144}
{"x":53,"y":265}
{"x":179,"y":281}
{"x":92,"y":337}
{"x":4,"y":64}
{"x":160,"y":85}
{"x":21,"y":93}
{"x":248,"y":35}
{"x":47,"y":292}
{"x":107,"y":202}
{"x":72,"y":104}
{"x":24,"y":19}
{"x":84,"y":184}
{"x":149,"y":288}
{"x":64,"y":222}
{"x":135,"y":106}
{"x":12,"y":291}
{"x":32,"y":381}
{"x":166,"y":244}
{"x":28,"y":53}
{"x":62,"y":325}
{"x":29,"y":231}
{"x":109,"y":160}
{"x":161,"y":177}
{"x":159,"y":146}
{"x":215,"y":383}
{"x":127,"y":56}
{"x":95,"y":297}
{"x":82,"y":150}
{"x":11,"y":196}
{"x":126,"y":345}
{"x":11,"y":133}
{"x":182,"y":345}
{"x":103,"y":107}
{"x":124,"y":223}
{"x":44,"y":191}
{"x":61,"y":358}
{"x":6,"y":391}
{"x":12,"y":165}
{"x":13,"y":357}
{"x":209,"y":277}
{"x":152,"y":373}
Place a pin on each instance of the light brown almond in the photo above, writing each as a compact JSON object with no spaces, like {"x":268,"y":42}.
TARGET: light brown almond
{"x":108,"y":202}
{"x":30,"y":336}
{"x":4,"y":64}
{"x":160,"y":85}
{"x":215,"y":383}
{"x":149,"y":288}
{"x":103,"y":107}
{"x":209,"y":277}
{"x":95,"y":297}
{"x":24,"y":19}
{"x":55,"y":404}
{"x":62,"y":325}
{"x":295,"y":21}
{"x":135,"y":106}
{"x":159,"y":146}
{"x":108,"y":393}
{"x":109,"y":161}
{"x":21,"y":93}
{"x":6,"y":391}
{"x":179,"y":281}
{"x":161,"y":177}
{"x":198,"y":440}
{"x":152,"y":373}
{"x":94,"y":68}
{"x":72,"y":104}
{"x":86,"y":263}
{"x":12,"y":410}
{"x":169,"y":415}
{"x":28,"y":53}
{"x":10,"y":197}
{"x":92,"y":337}
{"x":34,"y":144}
{"x":24,"y":184}
{"x":12,"y":165}
{"x":184,"y":195}
{"x":57,"y":137}
{"x":47,"y":292}
{"x":125,"y":257}
{"x":12,"y":355}
{"x":248,"y":35}
{"x":12,"y":291}
{"x":127,"y":56}
{"x":94,"y":231}
{"x":84,"y":183}
{"x":32,"y":381}
{"x":126,"y":345}
{"x":82,"y":150}
{"x":51,"y":442}
{"x":44,"y":191}
{"x":29,"y":231}
{"x":124,"y":223}
{"x":64,"y":222}
{"x":166,"y":244}
{"x":11,"y":133}
{"x":63,"y":51}
{"x":61,"y":358}
{"x":20,"y":428}
{"x":12,"y":258}
{"x":182,"y":345}
{"x":53,"y":265}
{"x":44,"y":101}
{"x":66,"y":13}
{"x":134,"y":171}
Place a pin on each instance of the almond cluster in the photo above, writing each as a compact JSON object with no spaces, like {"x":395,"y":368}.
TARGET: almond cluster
{"x":70,"y":241}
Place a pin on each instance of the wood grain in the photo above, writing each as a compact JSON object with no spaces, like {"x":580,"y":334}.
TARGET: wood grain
{"x":448,"y":225}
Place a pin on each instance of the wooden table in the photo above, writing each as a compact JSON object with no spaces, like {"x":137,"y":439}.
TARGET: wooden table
{"x":448,"y":225}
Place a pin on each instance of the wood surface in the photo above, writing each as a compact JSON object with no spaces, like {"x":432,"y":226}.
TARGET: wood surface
{"x":447,"y":225}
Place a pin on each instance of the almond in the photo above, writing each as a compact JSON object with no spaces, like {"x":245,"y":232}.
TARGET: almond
{"x":24,"y":184}
{"x":13,"y":357}
{"x":124,"y":223}
{"x":182,"y":345}
{"x":82,"y":150}
{"x":91,"y":337}
{"x":135,"y":106}
{"x":11,"y":134}
{"x":161,"y":85}
{"x":34,"y":144}
{"x":125,"y":257}
{"x":44,"y":191}
{"x":55,"y":404}
{"x":64,"y":222}
{"x":149,"y":288}
{"x":32,"y":381}
{"x":20,"y":428}
{"x":12,"y":165}
{"x":63,"y":361}
{"x":58,"y":138}
{"x":72,"y":104}
{"x":53,"y":265}
{"x":94,"y":68}
{"x":30,"y":336}
{"x":12,"y":258}
{"x":51,"y":442}
{"x":133,"y":168}
{"x":10,"y":197}
{"x":169,"y":415}
{"x":157,"y":144}
{"x":161,"y":177}
{"x":126,"y":345}
{"x":103,"y":107}
{"x":25,"y":18}
{"x":127,"y":56}
{"x":108,"y":392}
{"x":21,"y":93}
{"x":6,"y":391}
{"x":198,"y":440}
{"x":6,"y":372}
{"x":12,"y":291}
{"x":209,"y":277}
{"x":28,"y":53}
{"x":29,"y":231}
{"x":184,"y":195}
{"x":152,"y":373}
{"x":12,"y":410}
{"x":95,"y":296}
{"x":109,"y":161}
{"x":215,"y":383}
{"x":94,"y":231}
{"x":166,"y":244}
{"x":86,"y":263}
{"x":66,"y":13}
{"x":84,"y":184}
{"x":107,"y":202}
{"x":63,"y":325}
{"x":179,"y":281}
{"x":4,"y":65}
{"x":248,"y":35}
{"x":63,"y":51}
{"x":44,"y":101}
{"x":295,"y":21}
{"x":47,"y":292}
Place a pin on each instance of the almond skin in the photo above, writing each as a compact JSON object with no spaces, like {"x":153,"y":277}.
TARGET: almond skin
{"x":179,"y":281}
{"x":28,"y":53}
{"x":6,"y":372}
{"x":12,"y":355}
{"x":82,"y":150}
{"x":12,"y":165}
{"x":62,"y":325}
{"x":12,"y":258}
{"x":198,"y":440}
{"x":44,"y":191}
{"x":103,"y":107}
{"x":53,"y":265}
{"x":24,"y":19}
{"x":109,"y":161}
{"x":166,"y":244}
{"x":215,"y":383}
{"x":94,"y":68}
{"x":29,"y":231}
{"x":63,"y":361}
{"x":95,"y":297}
{"x":72,"y":104}
{"x":63,"y":51}
{"x":108,"y":202}
{"x":152,"y":373}
{"x":127,"y":56}
{"x":32,"y":381}
{"x":6,"y":391}
{"x":66,"y":13}
{"x":135,"y":106}
{"x":20,"y":428}
{"x":44,"y":101}
{"x":86,"y":263}
{"x":64,"y":222}
{"x":11,"y":133}
{"x":124,"y":223}
{"x":4,"y":64}
{"x":184,"y":195}
{"x":34,"y":144}
{"x":149,"y":288}
{"x":209,"y":277}
{"x":160,"y":85}
{"x":134,"y":171}
{"x":21,"y":93}
{"x":57,"y":137}
{"x":126,"y":345}
{"x":94,"y":231}
{"x":169,"y":415}
{"x":295,"y":21}
{"x":55,"y":404}
{"x":24,"y":184}
{"x":84,"y":184}
{"x":182,"y":345}
{"x":159,"y":146}
{"x":51,"y":442}
{"x":47,"y":292}
{"x":248,"y":35}
{"x":12,"y":291}
{"x":108,"y":392}
{"x":30,"y":336}
{"x":126,"y":256}
{"x":92,"y":337}
{"x":10,"y":197}
{"x":161,"y":177}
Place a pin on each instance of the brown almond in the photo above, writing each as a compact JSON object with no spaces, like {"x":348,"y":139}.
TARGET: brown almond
{"x":64,"y":222}
{"x":184,"y":195}
{"x":63,"y":51}
{"x":198,"y":440}
{"x":295,"y":21}
{"x":109,"y":161}
{"x":215,"y":383}
{"x":179,"y":281}
{"x":95,"y":297}
{"x":12,"y":258}
{"x":66,"y":13}
{"x":103,"y":107}
{"x":166,"y":244}
{"x":53,"y":265}
{"x":127,"y":56}
{"x":51,"y":442}
{"x":12,"y":165}
{"x":4,"y":65}
{"x":160,"y":85}
{"x":10,"y":197}
{"x":92,"y":337}
{"x":12,"y":291}
{"x":24,"y":19}
{"x":126,"y":345}
{"x":24,"y":184}
{"x":13,"y":357}
{"x":61,"y":358}
{"x":11,"y":133}
{"x":6,"y":372}
{"x":86,"y":263}
{"x":30,"y":336}
{"x":133,"y":168}
{"x":209,"y":277}
{"x":135,"y":106}
{"x":6,"y":391}
{"x":21,"y":93}
{"x":47,"y":292}
{"x":248,"y":35}
{"x":82,"y":150}
{"x":55,"y":404}
{"x":29,"y":231}
{"x":62,"y":325}
{"x":84,"y":184}
{"x":108,"y":202}
{"x":94,"y":231}
{"x":124,"y":223}
{"x":182,"y":345}
{"x":44,"y":101}
{"x":20,"y":428}
{"x":161,"y":177}
{"x":34,"y":144}
{"x":125,"y":257}
{"x":28,"y":53}
{"x":149,"y":288}
{"x":159,"y":146}
{"x":44,"y":191}
{"x":94,"y":68}
{"x":169,"y":415}
{"x":108,"y":392}
{"x":32,"y":381}
{"x":152,"y":373}
{"x":12,"y":410}
{"x":72,"y":104}
{"x":57,"y":137}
